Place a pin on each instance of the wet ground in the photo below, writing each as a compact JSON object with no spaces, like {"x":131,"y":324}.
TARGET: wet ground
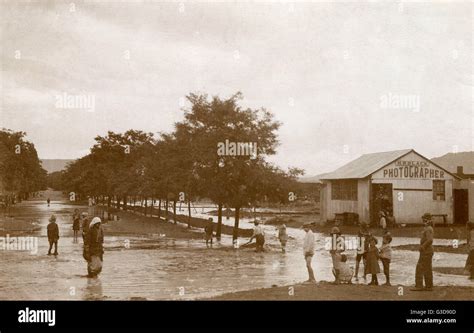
{"x":154,"y":266}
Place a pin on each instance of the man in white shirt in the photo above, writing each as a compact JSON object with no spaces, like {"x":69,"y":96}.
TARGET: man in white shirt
{"x":308,"y":251}
{"x":259,"y":236}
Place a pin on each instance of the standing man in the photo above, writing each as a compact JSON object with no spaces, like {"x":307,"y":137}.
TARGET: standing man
{"x":48,"y":201}
{"x":53,"y":235}
{"x":95,"y":247}
{"x":308,"y":250}
{"x":208,"y":231}
{"x":76,"y":224}
{"x":424,"y":269}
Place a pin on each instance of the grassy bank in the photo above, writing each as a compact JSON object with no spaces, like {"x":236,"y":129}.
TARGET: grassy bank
{"x":329,"y":291}
{"x":133,"y":220}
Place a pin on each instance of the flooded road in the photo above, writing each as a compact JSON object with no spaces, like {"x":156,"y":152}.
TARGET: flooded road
{"x":155,"y":267}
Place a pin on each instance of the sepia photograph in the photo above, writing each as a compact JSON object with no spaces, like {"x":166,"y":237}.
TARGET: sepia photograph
{"x":207,"y":152}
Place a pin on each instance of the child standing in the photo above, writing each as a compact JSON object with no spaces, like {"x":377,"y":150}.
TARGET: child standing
{"x":208,"y":231}
{"x":386,"y":256}
{"x":53,"y":235}
{"x":283,"y":237}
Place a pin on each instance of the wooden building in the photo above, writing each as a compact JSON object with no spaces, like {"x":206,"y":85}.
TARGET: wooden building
{"x":402,"y":183}
{"x":463,"y":197}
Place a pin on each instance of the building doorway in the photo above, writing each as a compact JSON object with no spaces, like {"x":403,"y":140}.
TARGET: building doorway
{"x":382,"y":200}
{"x":461,"y":206}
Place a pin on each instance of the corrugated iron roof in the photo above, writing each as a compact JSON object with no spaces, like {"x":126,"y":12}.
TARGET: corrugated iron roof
{"x":366,"y":165}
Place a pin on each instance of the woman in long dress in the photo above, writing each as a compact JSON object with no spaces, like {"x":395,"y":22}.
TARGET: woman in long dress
{"x":95,"y":249}
{"x":372,"y":266}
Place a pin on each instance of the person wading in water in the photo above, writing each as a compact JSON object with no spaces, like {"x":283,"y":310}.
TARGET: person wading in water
{"x":53,"y":235}
{"x":76,"y":224}
{"x":93,"y":248}
{"x":259,"y":236}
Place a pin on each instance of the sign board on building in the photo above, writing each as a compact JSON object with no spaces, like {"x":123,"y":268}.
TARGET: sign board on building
{"x":412,"y":166}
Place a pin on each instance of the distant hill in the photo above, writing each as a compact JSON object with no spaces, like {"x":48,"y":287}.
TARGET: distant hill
{"x":451,"y":161}
{"x":54,"y":165}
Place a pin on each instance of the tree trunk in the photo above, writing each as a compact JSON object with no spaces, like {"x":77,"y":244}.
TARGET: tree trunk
{"x":159,"y":208}
{"x":152,"y":206}
{"x":219,"y":222}
{"x":189,"y":213}
{"x":146,"y":205}
{"x":166,"y":211}
{"x":235,"y":233}
{"x":174,"y":211}
{"x":109,"y":202}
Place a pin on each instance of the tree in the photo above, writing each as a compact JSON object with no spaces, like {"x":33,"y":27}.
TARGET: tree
{"x":189,"y":163}
{"x":228,"y":178}
{"x":21,"y":172}
{"x":113,"y":168}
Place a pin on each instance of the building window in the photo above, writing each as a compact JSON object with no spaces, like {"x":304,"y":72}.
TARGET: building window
{"x":439,"y":190}
{"x":344,"y":190}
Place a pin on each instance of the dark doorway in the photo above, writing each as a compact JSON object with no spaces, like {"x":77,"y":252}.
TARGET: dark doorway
{"x":461,"y":206}
{"x":382,"y":200}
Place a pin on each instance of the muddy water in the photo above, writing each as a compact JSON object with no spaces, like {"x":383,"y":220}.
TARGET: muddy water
{"x":154,"y":267}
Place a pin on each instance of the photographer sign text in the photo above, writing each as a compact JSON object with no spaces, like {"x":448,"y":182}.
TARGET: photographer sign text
{"x":412,"y":169}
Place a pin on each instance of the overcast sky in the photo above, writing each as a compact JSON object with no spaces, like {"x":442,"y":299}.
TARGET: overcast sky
{"x":324,"y":69}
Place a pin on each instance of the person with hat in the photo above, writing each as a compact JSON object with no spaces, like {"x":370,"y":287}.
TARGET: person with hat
{"x":424,"y":268}
{"x":283,"y":237}
{"x":385,"y":255}
{"x":308,"y":250}
{"x":53,"y":235}
{"x":363,"y":236}
{"x":259,"y":236}
{"x":95,"y":251}
{"x":372,"y":261}
{"x":470,"y":242}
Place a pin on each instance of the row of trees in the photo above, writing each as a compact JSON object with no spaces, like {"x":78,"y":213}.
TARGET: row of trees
{"x":20,"y":168}
{"x":185,"y":165}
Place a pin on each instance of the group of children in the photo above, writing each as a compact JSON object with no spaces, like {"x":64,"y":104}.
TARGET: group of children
{"x":367,"y":252}
{"x":92,"y":235}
